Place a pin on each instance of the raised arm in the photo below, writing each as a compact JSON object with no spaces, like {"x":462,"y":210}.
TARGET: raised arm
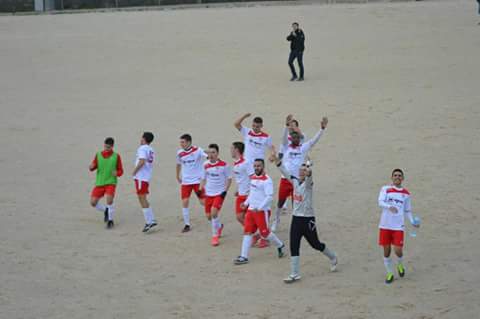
{"x":238,"y":123}
{"x":311,"y":142}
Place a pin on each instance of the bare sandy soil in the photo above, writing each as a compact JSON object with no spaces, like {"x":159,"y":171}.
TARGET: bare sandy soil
{"x":399,"y":82}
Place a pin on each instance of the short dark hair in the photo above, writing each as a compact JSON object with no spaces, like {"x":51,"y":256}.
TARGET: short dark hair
{"x":148,"y":137}
{"x":214,"y":146}
{"x":261,"y":160}
{"x":239,"y":146}
{"x":398,"y":170}
{"x":295,"y":23}
{"x":258,"y":120}
{"x":295,"y":121}
{"x":109,"y":141}
{"x":186,"y":137}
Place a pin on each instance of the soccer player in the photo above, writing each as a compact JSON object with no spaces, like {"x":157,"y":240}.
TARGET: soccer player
{"x":189,"y":171}
{"x":293,"y":126}
{"x":303,"y":219}
{"x":297,"y":46}
{"x":256,"y":141}
{"x":395,"y":202}
{"x":258,"y":202}
{"x":109,"y":167}
{"x":142,"y":174}
{"x":242,"y":171}
{"x":295,"y":154}
{"x":216,"y":182}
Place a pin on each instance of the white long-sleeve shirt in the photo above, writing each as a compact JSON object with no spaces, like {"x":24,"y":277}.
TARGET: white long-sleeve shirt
{"x":391,"y":196}
{"x":261,"y":193}
{"x":294,"y":156}
{"x":302,"y":194}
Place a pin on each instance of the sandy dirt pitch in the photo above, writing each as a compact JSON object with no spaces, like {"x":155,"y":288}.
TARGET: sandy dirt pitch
{"x":399,"y":82}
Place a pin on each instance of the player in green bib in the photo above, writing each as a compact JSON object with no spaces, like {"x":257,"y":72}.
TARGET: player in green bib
{"x":108,"y":165}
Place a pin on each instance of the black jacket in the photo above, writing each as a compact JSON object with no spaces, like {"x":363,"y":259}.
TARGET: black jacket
{"x":297,"y":43}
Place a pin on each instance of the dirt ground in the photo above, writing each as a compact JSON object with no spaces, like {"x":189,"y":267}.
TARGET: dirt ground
{"x":399,"y":83}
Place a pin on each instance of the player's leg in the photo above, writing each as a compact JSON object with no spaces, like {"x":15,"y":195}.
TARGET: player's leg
{"x":142,"y":192}
{"x":291,"y":58}
{"x":239,"y":211}
{"x":398,"y":249}
{"x":110,"y":194}
{"x":285,"y":190}
{"x":249,"y":228}
{"x":295,"y":240}
{"x":300,"y":65}
{"x":385,"y":240}
{"x":217,"y":226}
{"x":185,"y":191}
{"x":200,"y":194}
{"x":311,"y":235}
{"x":261,"y":220}
{"x":97,"y":193}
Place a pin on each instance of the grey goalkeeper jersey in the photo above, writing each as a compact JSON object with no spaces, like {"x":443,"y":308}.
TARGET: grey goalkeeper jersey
{"x":302,"y":194}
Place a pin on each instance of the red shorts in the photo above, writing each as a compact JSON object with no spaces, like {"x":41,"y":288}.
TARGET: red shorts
{"x":100,"y":191}
{"x":256,"y":220}
{"x":238,"y":202}
{"x":141,"y":187}
{"x":213,"y":201}
{"x":389,"y":237}
{"x":186,"y":191}
{"x":285,"y":190}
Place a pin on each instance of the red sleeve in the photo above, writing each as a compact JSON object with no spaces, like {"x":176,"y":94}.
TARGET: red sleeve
{"x":119,"y":166}
{"x":94,"y":163}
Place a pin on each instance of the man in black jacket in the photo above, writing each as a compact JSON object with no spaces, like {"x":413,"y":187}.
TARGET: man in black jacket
{"x":297,"y":46}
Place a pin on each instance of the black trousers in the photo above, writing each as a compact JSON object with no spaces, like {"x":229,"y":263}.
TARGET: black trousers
{"x":304,"y":227}
{"x":299,"y":56}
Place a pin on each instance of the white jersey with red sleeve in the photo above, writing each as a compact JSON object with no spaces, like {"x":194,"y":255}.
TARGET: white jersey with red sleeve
{"x":146,"y":153}
{"x":191,"y":161}
{"x":294,"y":156}
{"x":255,"y":144}
{"x":216,"y":176}
{"x":261,"y":193}
{"x":243,"y":169}
{"x":398,"y":198}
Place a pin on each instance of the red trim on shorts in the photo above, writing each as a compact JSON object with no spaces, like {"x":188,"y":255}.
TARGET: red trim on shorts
{"x":239,"y":200}
{"x":186,"y":191}
{"x":387,"y":237}
{"x":254,"y":221}
{"x":141,"y":187}
{"x":213,"y":202}
{"x":100,"y":191}
{"x":285,"y":190}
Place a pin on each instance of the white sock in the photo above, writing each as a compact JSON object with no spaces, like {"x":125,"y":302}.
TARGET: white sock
{"x":150,"y":214}
{"x":100,"y":207}
{"x":278,"y":211}
{"x":295,"y":265}
{"x":146,"y":214}
{"x":388,"y":264}
{"x":246,"y":243}
{"x":399,"y":260}
{"x":330,"y":254}
{"x":215,"y":226}
{"x":217,"y":222}
{"x":186,"y":216}
{"x":110,"y":212}
{"x":276,"y":241}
